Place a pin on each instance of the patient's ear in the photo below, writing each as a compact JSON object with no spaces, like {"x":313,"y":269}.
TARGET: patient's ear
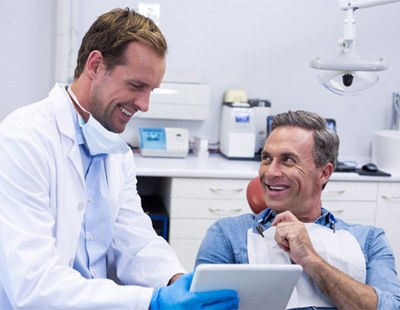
{"x":326,"y":172}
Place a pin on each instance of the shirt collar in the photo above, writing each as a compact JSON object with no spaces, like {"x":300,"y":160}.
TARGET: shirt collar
{"x":79,"y":135}
{"x":267,"y":216}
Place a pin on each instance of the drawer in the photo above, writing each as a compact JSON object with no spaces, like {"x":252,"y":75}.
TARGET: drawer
{"x":353,"y":212}
{"x":348,"y":191}
{"x":189,"y":228}
{"x":209,"y":188}
{"x":389,"y":192}
{"x":208,"y":208}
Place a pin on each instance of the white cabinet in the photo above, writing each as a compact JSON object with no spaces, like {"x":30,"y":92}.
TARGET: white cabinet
{"x":369,"y":203}
{"x":388,"y":215}
{"x":196,"y":203}
{"x":353,"y":202}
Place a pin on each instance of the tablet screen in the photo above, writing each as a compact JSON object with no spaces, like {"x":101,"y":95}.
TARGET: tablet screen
{"x":259,"y":286}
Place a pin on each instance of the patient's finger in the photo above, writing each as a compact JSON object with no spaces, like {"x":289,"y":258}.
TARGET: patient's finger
{"x":286,"y":216}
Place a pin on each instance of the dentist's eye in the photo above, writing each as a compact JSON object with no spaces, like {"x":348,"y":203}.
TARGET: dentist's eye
{"x":136,"y":86}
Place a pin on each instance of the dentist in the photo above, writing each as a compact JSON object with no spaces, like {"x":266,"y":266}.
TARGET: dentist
{"x":72,"y":230}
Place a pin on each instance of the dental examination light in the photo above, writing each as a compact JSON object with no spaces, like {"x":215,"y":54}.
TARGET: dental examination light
{"x":349,"y":74}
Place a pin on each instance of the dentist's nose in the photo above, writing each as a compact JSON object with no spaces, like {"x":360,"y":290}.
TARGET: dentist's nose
{"x":142,"y":102}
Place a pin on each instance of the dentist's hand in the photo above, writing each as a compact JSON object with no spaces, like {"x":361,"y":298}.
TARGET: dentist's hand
{"x":178,"y":297}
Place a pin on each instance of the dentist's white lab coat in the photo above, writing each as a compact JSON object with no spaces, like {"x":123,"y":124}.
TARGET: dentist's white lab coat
{"x":42,"y":203}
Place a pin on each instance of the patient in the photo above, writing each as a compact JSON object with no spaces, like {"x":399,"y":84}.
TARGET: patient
{"x":345,"y":266}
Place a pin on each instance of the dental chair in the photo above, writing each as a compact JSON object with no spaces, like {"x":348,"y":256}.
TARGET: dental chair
{"x":255,"y":196}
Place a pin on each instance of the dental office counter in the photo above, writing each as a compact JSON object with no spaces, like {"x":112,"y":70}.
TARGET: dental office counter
{"x":197,"y":191}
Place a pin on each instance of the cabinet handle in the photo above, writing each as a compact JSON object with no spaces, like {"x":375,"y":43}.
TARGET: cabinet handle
{"x":339,"y":211}
{"x":393,"y":198}
{"x":226,"y":191}
{"x":224,"y":212}
{"x":336,"y":192}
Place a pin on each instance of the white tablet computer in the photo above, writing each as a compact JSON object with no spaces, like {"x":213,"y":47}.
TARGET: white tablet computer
{"x":259,"y":286}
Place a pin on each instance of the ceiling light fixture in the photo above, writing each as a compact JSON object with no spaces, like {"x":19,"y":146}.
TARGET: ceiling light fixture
{"x":349,"y":74}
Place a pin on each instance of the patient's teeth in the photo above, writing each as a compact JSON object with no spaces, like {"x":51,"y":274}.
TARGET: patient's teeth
{"x":277,"y":188}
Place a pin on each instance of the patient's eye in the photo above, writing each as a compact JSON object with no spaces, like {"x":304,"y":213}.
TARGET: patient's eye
{"x":266,"y":159}
{"x":288,"y":160}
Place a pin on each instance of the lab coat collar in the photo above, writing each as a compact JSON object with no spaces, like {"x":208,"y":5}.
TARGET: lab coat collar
{"x":63,"y":106}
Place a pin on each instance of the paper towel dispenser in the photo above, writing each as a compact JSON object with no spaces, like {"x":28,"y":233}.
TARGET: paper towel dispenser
{"x":179,"y":101}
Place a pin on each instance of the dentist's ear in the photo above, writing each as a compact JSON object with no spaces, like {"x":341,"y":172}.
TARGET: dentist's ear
{"x":93,"y":63}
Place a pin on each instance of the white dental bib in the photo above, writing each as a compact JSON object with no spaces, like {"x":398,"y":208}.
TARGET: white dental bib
{"x":339,"y":249}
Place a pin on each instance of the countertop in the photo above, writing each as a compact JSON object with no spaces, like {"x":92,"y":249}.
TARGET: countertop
{"x":216,"y":166}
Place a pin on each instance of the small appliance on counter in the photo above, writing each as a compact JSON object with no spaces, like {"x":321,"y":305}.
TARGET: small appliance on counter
{"x":164,"y":142}
{"x":237,"y":128}
{"x":261,"y":111}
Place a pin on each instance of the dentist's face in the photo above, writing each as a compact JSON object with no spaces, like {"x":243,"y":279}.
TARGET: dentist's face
{"x":289,"y":175}
{"x":117,"y":94}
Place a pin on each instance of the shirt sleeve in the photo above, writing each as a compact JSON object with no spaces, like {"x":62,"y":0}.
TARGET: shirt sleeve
{"x":381,"y":271}
{"x":215,"y":247}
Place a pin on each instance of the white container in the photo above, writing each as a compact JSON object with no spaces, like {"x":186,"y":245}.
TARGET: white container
{"x":386,"y":151}
{"x":179,"y":101}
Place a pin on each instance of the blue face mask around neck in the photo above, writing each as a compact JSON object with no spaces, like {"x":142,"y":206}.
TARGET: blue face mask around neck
{"x":98,"y":139}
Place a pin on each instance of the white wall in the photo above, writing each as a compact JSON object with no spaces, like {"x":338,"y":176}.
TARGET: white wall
{"x":26,"y":52}
{"x":262,"y":46}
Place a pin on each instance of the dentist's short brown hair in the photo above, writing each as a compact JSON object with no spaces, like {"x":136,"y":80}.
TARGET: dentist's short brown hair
{"x":112,"y":32}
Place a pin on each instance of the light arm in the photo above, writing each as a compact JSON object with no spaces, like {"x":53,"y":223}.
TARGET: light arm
{"x":358,"y":4}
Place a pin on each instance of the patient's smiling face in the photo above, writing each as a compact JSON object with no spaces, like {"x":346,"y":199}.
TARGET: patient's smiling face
{"x":289,"y":175}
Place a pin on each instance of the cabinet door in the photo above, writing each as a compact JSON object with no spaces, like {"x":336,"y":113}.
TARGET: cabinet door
{"x":185,"y":237}
{"x":388,"y":215}
{"x":189,"y":228}
{"x":353,"y":211}
{"x":195,"y":204}
{"x":186,"y":249}
{"x":353,"y":202}
{"x":350,"y":191}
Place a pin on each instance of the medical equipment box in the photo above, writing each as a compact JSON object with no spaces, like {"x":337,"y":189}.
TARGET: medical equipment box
{"x":164,"y":142}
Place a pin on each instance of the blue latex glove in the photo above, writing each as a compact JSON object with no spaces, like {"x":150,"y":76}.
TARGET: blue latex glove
{"x":177,"y":296}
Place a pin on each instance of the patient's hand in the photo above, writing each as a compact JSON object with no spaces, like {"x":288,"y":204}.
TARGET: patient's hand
{"x":286,"y":216}
{"x":292,"y":236}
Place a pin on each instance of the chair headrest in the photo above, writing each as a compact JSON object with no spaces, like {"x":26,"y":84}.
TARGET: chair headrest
{"x":255,"y":196}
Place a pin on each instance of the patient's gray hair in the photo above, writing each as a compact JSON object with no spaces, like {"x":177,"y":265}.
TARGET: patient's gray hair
{"x":326,"y":141}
